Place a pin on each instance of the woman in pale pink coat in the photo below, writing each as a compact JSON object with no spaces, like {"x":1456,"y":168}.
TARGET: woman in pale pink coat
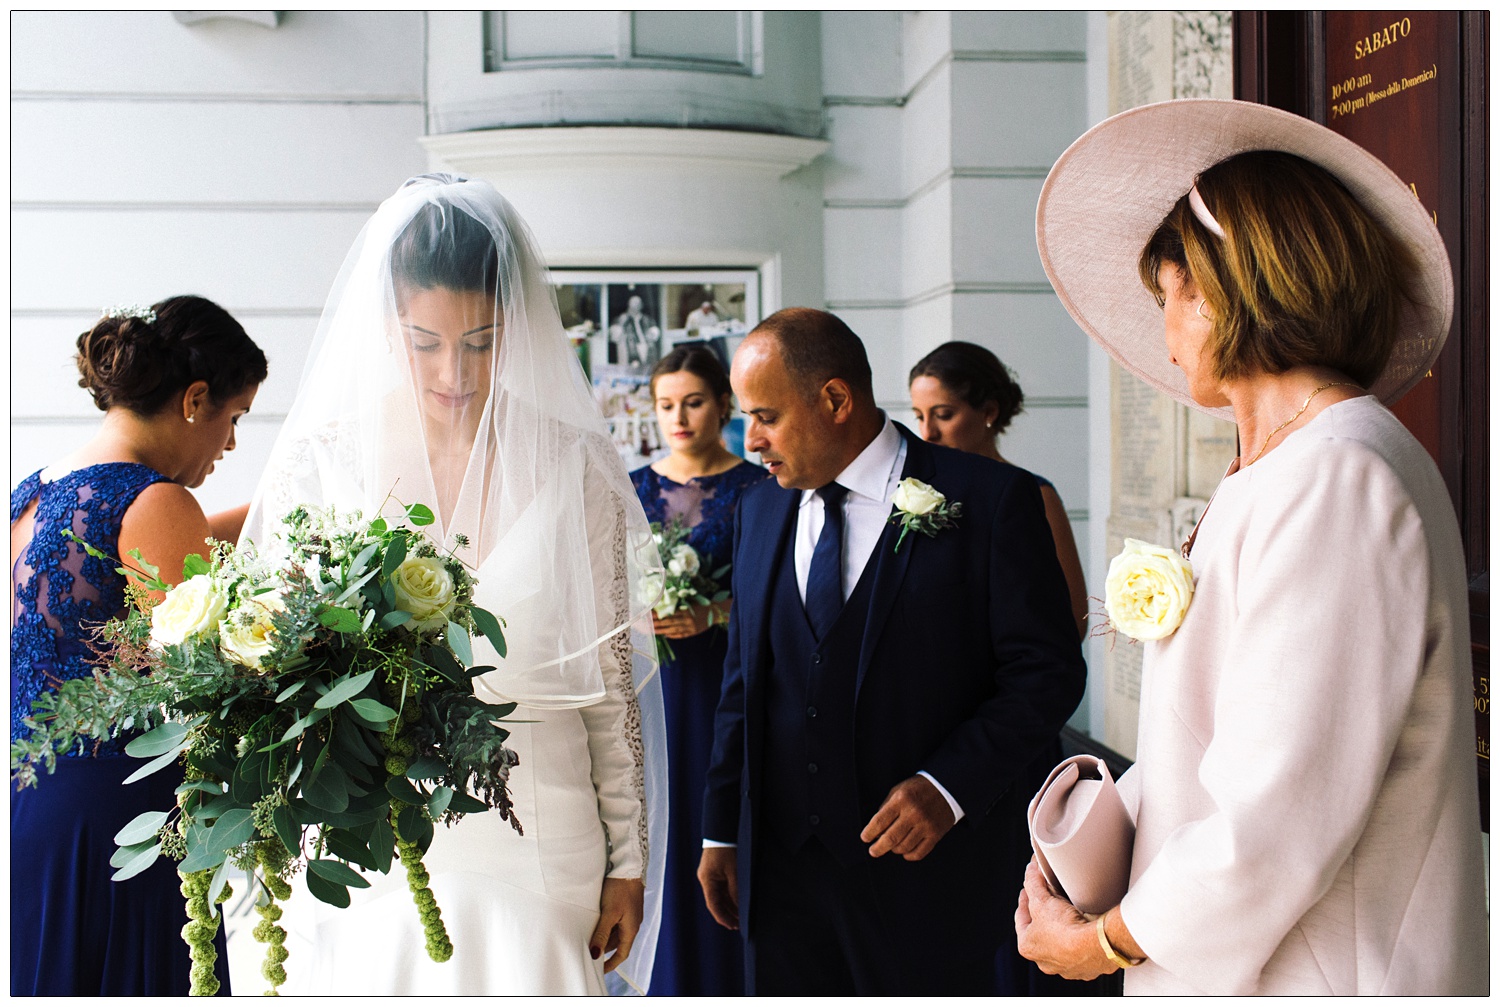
{"x":1304,"y":793}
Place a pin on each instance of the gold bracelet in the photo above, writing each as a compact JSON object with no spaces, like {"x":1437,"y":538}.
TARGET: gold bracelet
{"x":1110,"y":952}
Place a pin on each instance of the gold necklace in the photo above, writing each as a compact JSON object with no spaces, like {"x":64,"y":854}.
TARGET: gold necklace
{"x":1299,"y":412}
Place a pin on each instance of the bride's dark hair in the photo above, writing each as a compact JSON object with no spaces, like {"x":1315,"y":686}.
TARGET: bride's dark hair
{"x":443,"y":246}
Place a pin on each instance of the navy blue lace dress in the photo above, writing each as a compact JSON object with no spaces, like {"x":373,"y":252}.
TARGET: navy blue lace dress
{"x":694,"y":955}
{"x":73,"y":932}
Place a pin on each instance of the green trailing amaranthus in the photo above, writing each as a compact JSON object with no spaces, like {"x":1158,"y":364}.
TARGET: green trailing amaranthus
{"x":268,"y":931}
{"x":202,"y":926}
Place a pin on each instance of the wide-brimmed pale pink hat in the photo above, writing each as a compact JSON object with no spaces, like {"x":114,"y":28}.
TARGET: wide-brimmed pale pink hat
{"x":1109,"y":191}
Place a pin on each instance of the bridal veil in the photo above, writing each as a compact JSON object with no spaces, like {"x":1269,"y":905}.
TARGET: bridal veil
{"x":524,"y":503}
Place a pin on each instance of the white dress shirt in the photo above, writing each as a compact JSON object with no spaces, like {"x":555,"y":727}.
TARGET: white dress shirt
{"x":871,"y":480}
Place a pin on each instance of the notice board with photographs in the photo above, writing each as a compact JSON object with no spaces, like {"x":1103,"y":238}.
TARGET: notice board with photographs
{"x":623,"y":321}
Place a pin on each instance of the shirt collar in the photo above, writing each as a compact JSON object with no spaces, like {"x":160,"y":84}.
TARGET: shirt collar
{"x":869,"y":475}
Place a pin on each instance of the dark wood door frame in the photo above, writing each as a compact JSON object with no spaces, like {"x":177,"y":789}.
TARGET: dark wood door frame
{"x":1280,"y":59}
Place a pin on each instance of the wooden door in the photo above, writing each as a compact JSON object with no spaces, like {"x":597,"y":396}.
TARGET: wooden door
{"x":1412,"y":88}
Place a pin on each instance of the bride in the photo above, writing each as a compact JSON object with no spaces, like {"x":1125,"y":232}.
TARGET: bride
{"x":440,"y":374}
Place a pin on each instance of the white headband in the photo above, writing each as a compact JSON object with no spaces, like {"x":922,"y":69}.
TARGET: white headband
{"x":1200,"y":210}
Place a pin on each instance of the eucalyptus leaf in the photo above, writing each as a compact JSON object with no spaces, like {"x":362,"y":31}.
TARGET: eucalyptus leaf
{"x":439,"y":801}
{"x":347,"y":847}
{"x":458,"y":639}
{"x":395,"y":618}
{"x":425,"y":768}
{"x":374,"y":710}
{"x":353,"y":589}
{"x":291,"y":690}
{"x":233,"y":829}
{"x":286,"y":828}
{"x":207,"y":786}
{"x":126,"y":854}
{"x":161,"y":762}
{"x":463,"y":804}
{"x":395,"y":555}
{"x":138,"y":863}
{"x":327,"y":891}
{"x":202,"y":857}
{"x":169,"y":737}
{"x":368,"y":621}
{"x":365,"y":555}
{"x":194,"y":564}
{"x":420,"y":515}
{"x":382,"y":844}
{"x":339,"y":874}
{"x":141,"y":828}
{"x":329,"y":790}
{"x":345,"y":688}
{"x":215,"y":807}
{"x":220,"y":879}
{"x":401,"y":790}
{"x":487,"y":624}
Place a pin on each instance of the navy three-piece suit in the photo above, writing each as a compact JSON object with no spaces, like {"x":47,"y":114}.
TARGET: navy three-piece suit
{"x":956,"y":655}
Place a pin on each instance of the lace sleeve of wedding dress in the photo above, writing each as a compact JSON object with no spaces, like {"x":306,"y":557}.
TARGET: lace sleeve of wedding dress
{"x":627,"y":737}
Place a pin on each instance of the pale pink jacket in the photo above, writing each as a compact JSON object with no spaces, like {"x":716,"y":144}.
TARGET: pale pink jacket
{"x":1305,"y":796}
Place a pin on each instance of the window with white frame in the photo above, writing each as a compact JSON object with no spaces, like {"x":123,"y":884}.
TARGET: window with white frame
{"x":715,"y":41}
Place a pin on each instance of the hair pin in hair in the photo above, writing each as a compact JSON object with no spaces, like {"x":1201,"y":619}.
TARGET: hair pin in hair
{"x":1200,"y":210}
{"x":146,"y":315}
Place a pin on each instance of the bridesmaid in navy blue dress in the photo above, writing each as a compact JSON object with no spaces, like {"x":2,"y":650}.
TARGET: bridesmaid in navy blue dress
{"x":700,"y":483}
{"x":964,"y":397}
{"x":172,"y":380}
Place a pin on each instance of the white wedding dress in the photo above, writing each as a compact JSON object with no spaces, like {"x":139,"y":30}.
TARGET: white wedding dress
{"x":563,"y":554}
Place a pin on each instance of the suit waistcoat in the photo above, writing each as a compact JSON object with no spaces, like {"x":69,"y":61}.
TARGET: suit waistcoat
{"x":810,"y":784}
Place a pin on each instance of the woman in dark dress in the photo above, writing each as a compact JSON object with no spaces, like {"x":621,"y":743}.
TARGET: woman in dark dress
{"x":699,"y":483}
{"x":173,"y":380}
{"x":964,"y":397}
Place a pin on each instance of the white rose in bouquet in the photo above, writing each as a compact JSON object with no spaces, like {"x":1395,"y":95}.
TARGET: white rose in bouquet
{"x":192,"y":607}
{"x":913,"y":496}
{"x":1148,"y":590}
{"x":425,"y":588}
{"x":684,"y":561}
{"x":247,"y":634}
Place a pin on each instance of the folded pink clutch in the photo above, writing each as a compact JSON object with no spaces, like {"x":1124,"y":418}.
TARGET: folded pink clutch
{"x":1082,"y":834}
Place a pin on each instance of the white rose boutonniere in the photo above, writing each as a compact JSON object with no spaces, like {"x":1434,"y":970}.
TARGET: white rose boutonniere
{"x":1148,"y":590}
{"x":921,"y":508}
{"x":424,"y":587}
{"x":192,"y":607}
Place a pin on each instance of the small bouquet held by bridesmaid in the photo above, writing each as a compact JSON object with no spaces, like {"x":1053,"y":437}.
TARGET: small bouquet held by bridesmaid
{"x":684,"y":581}
{"x":318,"y":696}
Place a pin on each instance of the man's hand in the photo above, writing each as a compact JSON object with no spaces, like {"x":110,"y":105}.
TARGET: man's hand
{"x":1055,"y":935}
{"x":621,"y":907}
{"x":910,"y":822}
{"x":721,"y":886}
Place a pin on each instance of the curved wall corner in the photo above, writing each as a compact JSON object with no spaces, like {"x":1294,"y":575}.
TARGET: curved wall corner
{"x":784,"y":94}
{"x":648,"y":197}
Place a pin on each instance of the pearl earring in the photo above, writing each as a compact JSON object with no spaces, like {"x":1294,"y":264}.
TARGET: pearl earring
{"x":192,"y":419}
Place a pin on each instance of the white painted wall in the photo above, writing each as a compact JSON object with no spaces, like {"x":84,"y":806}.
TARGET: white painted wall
{"x":224,"y":159}
{"x":235,"y":161}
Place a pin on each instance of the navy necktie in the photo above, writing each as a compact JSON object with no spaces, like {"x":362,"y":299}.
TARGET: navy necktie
{"x":825,"y":577}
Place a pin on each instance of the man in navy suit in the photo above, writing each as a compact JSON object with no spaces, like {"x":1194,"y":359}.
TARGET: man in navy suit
{"x":882,"y":706}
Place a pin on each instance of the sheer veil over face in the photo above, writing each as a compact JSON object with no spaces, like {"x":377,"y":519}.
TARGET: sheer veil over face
{"x":440,"y":374}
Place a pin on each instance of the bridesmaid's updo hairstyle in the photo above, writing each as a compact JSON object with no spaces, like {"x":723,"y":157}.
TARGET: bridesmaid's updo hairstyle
{"x":132,"y":360}
{"x":699,"y":361}
{"x":442,"y":246}
{"x":975,"y":375}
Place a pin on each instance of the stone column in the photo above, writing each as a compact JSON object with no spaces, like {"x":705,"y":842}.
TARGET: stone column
{"x":1166,"y":459}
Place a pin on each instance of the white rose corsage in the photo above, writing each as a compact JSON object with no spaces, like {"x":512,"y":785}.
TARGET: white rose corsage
{"x":1148,"y":590}
{"x":921,"y":508}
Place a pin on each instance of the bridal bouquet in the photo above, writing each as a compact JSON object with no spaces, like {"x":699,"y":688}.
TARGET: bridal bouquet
{"x":684,"y":582}
{"x":317,"y":695}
